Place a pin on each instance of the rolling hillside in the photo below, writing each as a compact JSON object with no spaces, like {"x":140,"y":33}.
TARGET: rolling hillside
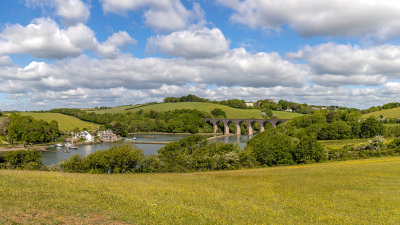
{"x":387,"y":113}
{"x":350,"y":192}
{"x":231,"y":113}
{"x":65,"y":122}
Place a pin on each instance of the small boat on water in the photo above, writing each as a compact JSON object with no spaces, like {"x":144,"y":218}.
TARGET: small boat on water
{"x":130,"y":139}
{"x":70,"y":146}
{"x":59,"y":145}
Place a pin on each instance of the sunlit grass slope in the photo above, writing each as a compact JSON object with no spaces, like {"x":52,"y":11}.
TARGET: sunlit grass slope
{"x":351,"y":192}
{"x":387,"y":113}
{"x":231,"y":113}
{"x":65,"y":122}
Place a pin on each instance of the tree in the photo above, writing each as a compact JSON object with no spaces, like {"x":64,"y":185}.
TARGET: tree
{"x":218,"y":113}
{"x":272,"y":148}
{"x":371,"y":128}
{"x":308,"y":150}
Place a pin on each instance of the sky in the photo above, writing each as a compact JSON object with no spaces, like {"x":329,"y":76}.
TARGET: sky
{"x":87,"y":53}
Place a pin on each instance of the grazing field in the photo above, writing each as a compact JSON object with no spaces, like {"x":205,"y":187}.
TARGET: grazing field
{"x":353,"y":142}
{"x":351,"y":192}
{"x":387,"y":113}
{"x":65,"y":122}
{"x":231,"y":113}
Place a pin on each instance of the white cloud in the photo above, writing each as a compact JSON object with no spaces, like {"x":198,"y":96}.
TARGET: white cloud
{"x":151,"y":75}
{"x":72,"y":11}
{"x":193,"y":43}
{"x":43,"y":38}
{"x":355,"y":18}
{"x":160,"y":15}
{"x":336,"y":64}
{"x":110,"y":48}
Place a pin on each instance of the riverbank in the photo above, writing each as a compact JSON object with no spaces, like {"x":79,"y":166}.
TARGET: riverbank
{"x":17,"y":148}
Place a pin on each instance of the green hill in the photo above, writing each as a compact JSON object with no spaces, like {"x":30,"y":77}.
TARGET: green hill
{"x":387,"y":113}
{"x":231,"y":113}
{"x":350,"y":192}
{"x":65,"y":122}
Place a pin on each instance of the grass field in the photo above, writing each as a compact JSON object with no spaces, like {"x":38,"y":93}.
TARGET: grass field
{"x":387,"y":113}
{"x":65,"y":122}
{"x":353,"y":142}
{"x":231,"y":113}
{"x":351,"y":192}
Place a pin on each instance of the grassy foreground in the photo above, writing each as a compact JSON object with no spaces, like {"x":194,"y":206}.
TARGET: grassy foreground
{"x":352,"y":192}
{"x":65,"y":122}
{"x":231,"y":113}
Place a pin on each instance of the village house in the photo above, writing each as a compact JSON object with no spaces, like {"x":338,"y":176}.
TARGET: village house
{"x":85,"y":135}
{"x":107,"y":136}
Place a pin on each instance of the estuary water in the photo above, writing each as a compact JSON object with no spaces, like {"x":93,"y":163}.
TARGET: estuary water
{"x":63,"y":153}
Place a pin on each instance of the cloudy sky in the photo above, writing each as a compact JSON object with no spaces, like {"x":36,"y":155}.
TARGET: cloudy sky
{"x":85,"y":53}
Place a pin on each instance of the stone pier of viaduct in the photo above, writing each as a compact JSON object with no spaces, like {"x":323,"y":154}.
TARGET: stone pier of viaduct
{"x":238,"y":123}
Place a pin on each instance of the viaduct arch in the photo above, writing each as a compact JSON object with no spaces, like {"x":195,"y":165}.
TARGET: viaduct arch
{"x":238,"y":123}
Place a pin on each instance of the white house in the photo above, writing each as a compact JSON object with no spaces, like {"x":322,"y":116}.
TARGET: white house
{"x":249,"y":104}
{"x":86,"y":135}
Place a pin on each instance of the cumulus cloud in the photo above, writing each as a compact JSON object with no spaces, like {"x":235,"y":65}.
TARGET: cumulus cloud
{"x":43,"y":38}
{"x":72,"y":11}
{"x":193,"y":43}
{"x":151,"y":75}
{"x":356,"y":18}
{"x":337,"y":64}
{"x":166,"y":15}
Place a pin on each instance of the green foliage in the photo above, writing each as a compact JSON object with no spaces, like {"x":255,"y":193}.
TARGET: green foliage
{"x":335,"y":130}
{"x":218,"y":113}
{"x":272,"y":148}
{"x":25,"y":129}
{"x":121,"y":158}
{"x":195,"y":153}
{"x":308,"y":150}
{"x":371,"y":128}
{"x":22,"y":159}
{"x":395,"y":144}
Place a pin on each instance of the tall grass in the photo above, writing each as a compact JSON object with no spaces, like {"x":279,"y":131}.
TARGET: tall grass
{"x":353,"y":192}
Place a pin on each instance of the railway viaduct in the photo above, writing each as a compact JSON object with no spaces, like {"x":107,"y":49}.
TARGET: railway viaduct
{"x":238,"y":123}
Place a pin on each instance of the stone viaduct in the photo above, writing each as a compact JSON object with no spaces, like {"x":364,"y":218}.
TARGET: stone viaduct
{"x":238,"y":123}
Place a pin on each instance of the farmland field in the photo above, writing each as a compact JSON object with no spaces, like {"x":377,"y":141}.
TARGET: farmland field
{"x":65,"y":122}
{"x":387,"y":113}
{"x":352,"y":192}
{"x":231,"y":113}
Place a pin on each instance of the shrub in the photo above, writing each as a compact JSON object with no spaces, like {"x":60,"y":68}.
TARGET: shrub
{"x":18,"y":159}
{"x":272,"y":148}
{"x":395,"y":145}
{"x":74,"y":164}
{"x":308,"y":150}
{"x":218,"y":113}
{"x":121,"y":158}
{"x":335,"y":130}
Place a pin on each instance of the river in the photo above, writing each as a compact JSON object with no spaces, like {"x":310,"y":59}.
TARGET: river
{"x":54,"y":157}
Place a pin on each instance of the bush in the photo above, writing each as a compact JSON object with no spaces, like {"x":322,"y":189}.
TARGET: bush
{"x":395,"y":145}
{"x":272,"y":148}
{"x":335,"y":130}
{"x":18,"y":159}
{"x":121,"y":158}
{"x":308,"y":150}
{"x":219,"y":113}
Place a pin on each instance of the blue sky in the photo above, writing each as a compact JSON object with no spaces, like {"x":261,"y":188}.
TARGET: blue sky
{"x":85,"y":53}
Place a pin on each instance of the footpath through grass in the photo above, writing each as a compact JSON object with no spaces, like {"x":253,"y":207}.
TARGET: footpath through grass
{"x":352,"y":192}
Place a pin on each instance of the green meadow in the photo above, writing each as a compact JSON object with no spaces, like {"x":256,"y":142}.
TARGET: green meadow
{"x":65,"y":122}
{"x":351,"y":192}
{"x":387,"y":113}
{"x":231,"y":113}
